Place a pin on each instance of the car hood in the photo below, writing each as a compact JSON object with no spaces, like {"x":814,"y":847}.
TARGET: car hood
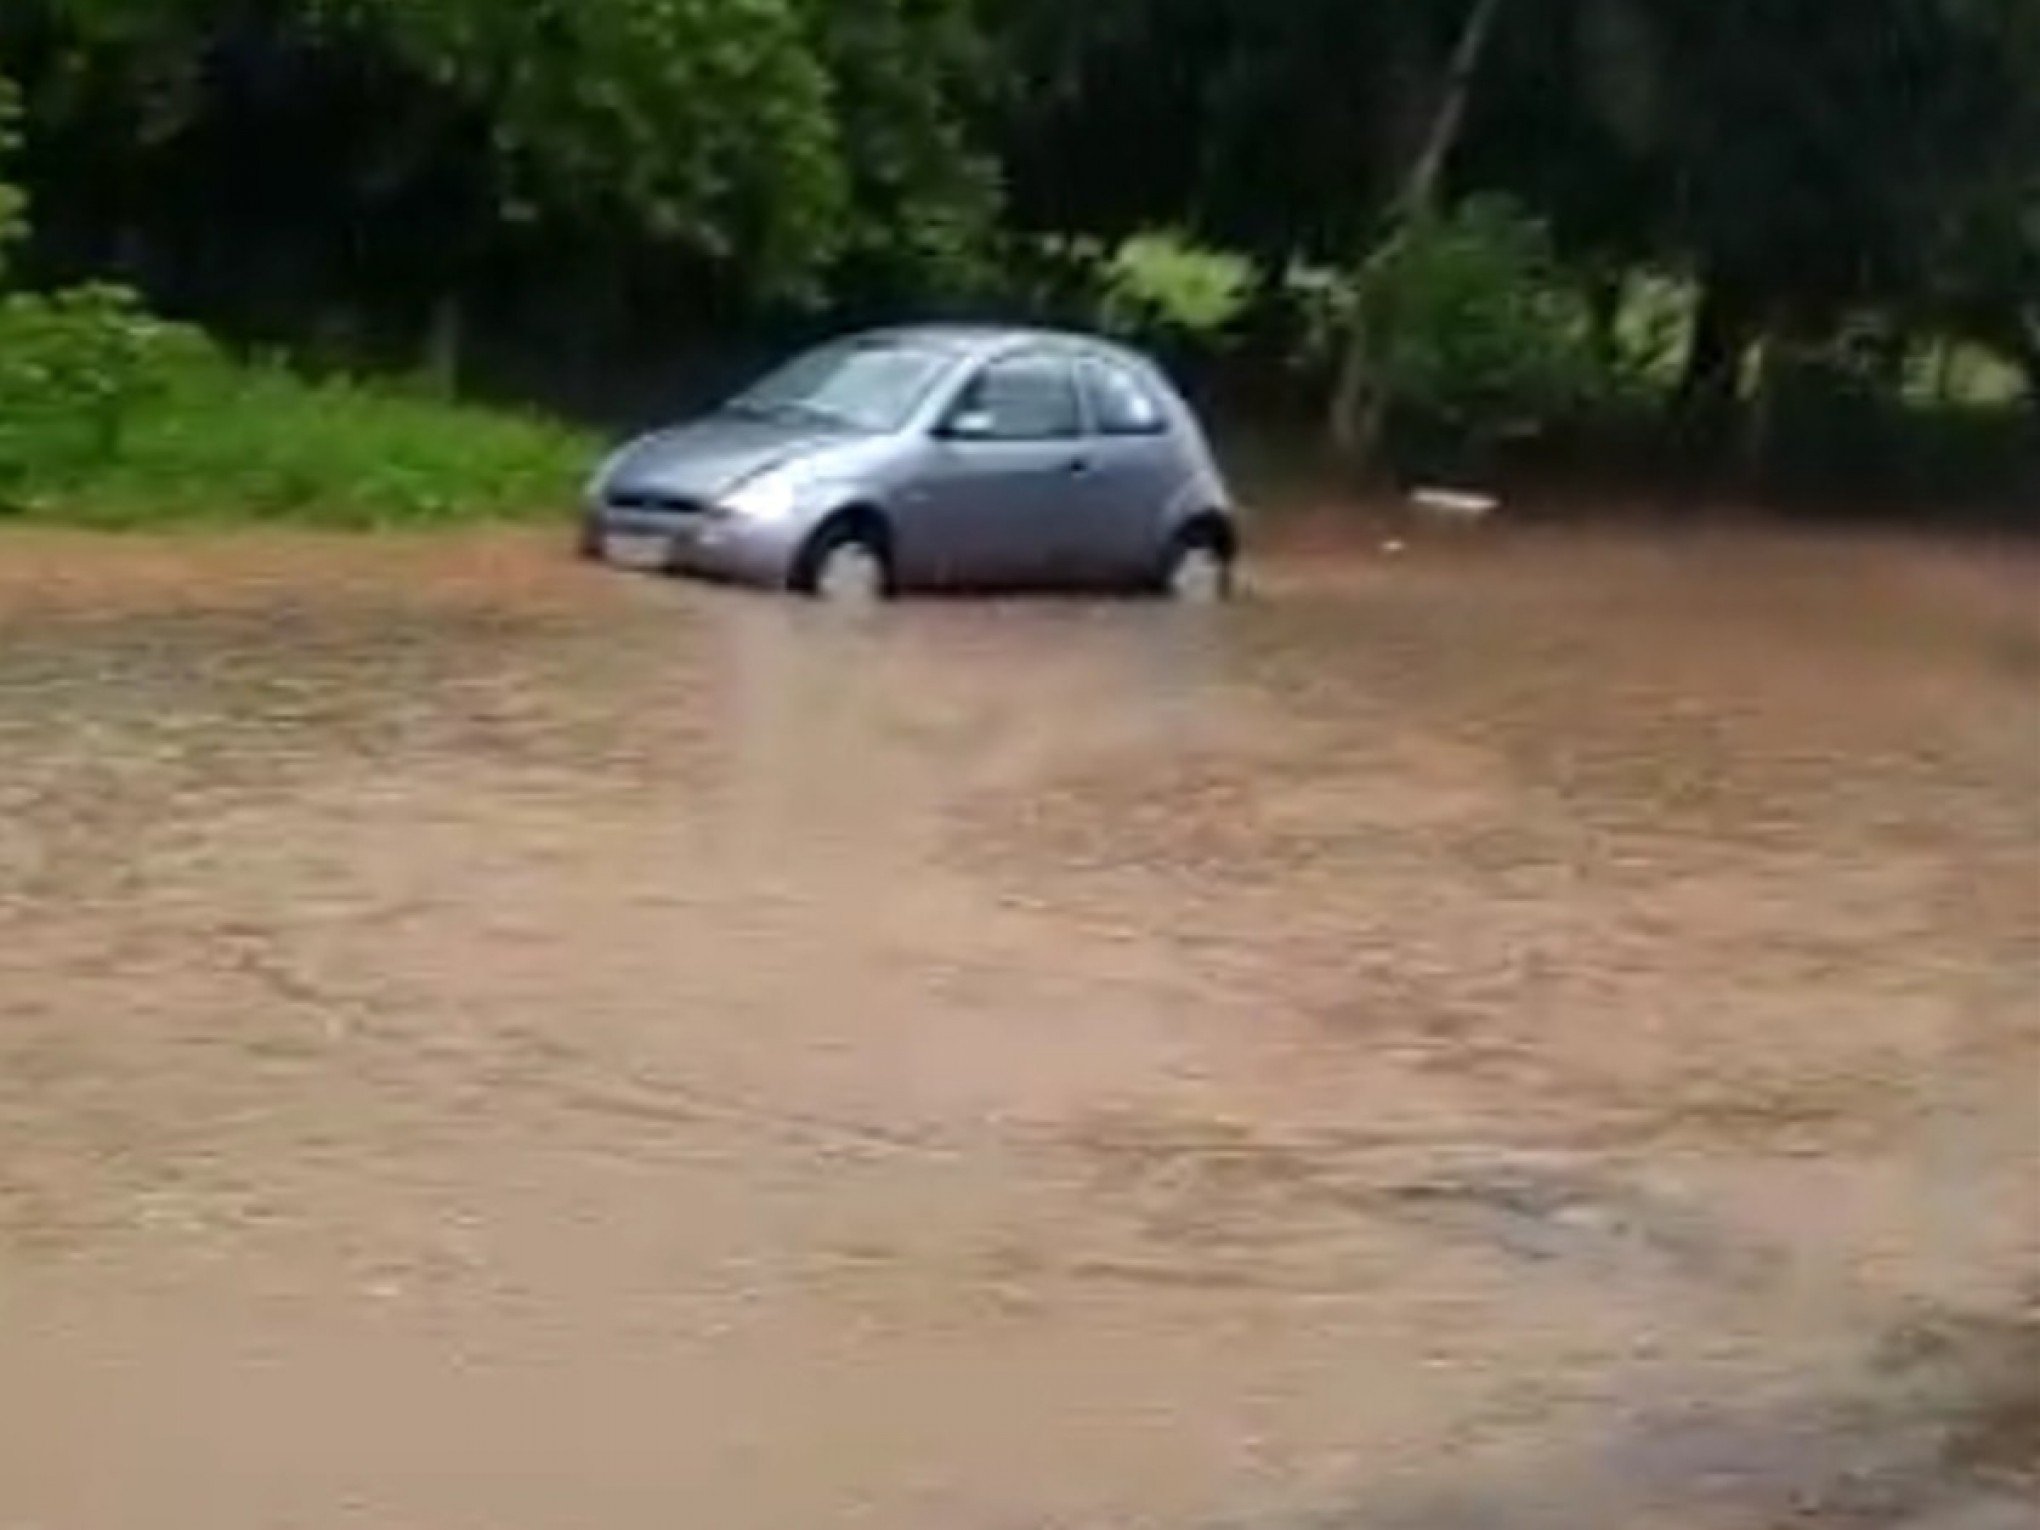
{"x":707,"y":458}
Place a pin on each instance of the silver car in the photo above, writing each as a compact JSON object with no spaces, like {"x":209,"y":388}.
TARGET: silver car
{"x":933,"y":457}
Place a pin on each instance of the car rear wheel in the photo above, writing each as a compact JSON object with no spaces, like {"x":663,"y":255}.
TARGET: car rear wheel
{"x":1199,"y":571}
{"x":588,"y":540}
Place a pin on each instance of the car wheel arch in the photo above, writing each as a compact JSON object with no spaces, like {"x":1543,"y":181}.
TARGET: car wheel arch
{"x":861,"y":519}
{"x":1208,"y":528}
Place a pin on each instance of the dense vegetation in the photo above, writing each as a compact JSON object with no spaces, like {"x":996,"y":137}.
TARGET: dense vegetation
{"x":110,"y":416}
{"x":1790,"y":240}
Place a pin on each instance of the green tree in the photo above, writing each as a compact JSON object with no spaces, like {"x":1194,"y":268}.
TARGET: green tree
{"x":404,"y":150}
{"x":1803,"y":161}
{"x":13,"y":205}
{"x":701,"y":121}
{"x":1986,"y":261}
{"x":905,"y":81}
{"x":1363,"y":391}
{"x":1818,"y":177}
{"x":1470,"y":321}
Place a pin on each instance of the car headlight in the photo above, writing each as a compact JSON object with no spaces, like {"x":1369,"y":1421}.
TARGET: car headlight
{"x":768,"y":497}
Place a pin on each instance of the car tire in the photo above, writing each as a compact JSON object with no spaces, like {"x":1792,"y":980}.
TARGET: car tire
{"x":847,"y":568}
{"x":588,"y":541}
{"x":1198,"y":570}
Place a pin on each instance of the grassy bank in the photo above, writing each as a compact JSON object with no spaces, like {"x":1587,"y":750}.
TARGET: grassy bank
{"x":183,"y":434}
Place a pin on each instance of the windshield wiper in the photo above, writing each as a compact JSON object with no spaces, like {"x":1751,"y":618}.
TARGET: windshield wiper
{"x":791,"y":409}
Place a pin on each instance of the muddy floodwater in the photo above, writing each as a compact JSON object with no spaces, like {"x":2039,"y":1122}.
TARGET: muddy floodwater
{"x":1539,"y":1033}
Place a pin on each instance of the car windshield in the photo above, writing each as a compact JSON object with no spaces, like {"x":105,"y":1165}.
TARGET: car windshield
{"x":866,"y":385}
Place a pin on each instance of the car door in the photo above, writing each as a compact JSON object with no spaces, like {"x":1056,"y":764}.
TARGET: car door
{"x":1132,"y":474}
{"x":984,"y":507}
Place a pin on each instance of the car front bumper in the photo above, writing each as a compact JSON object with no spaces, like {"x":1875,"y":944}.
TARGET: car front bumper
{"x":698,"y":542}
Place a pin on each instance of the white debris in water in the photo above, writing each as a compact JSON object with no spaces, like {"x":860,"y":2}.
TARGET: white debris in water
{"x":1455,"y":504}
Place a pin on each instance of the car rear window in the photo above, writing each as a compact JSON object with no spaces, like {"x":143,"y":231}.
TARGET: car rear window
{"x":1121,"y":403}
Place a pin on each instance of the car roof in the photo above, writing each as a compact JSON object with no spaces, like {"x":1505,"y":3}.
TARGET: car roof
{"x":985,"y":339}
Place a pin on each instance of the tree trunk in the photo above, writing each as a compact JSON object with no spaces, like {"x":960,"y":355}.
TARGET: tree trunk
{"x":1606,"y":290}
{"x":1359,"y":407}
{"x":1427,"y":174}
{"x":1711,"y":387}
{"x":445,"y":343}
{"x":1359,"y":404}
{"x":1944,"y":371}
{"x":2026,"y":352}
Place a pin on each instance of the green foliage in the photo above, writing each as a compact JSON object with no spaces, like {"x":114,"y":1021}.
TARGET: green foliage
{"x":74,"y":368}
{"x":1703,"y":183}
{"x":1159,"y":286}
{"x":262,"y":442}
{"x":1832,"y":421}
{"x":703,"y":121}
{"x":922,"y":195}
{"x":1261,"y":125}
{"x":109,"y":415}
{"x":110,"y":418}
{"x":1800,"y":161}
{"x":1164,"y":281}
{"x":13,"y":205}
{"x":1470,"y":320}
{"x":771,"y":139}
{"x":1653,"y":315}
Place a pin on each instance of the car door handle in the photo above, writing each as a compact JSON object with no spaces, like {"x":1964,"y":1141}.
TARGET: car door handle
{"x":1077,"y":467}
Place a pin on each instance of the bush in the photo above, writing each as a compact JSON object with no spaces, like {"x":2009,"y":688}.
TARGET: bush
{"x":74,"y":366}
{"x":1158,"y":288}
{"x":110,"y":417}
{"x":1475,"y":333}
{"x":1829,"y":427}
{"x":1163,"y":282}
{"x":1471,"y":322}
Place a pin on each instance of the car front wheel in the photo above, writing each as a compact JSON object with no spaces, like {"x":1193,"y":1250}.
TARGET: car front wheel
{"x":849,"y":569}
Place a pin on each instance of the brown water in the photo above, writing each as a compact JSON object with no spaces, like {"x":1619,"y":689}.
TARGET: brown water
{"x":1540,"y":1032}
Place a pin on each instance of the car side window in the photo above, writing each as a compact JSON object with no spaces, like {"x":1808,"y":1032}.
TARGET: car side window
{"x":1121,"y":403}
{"x":1030,"y":397}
